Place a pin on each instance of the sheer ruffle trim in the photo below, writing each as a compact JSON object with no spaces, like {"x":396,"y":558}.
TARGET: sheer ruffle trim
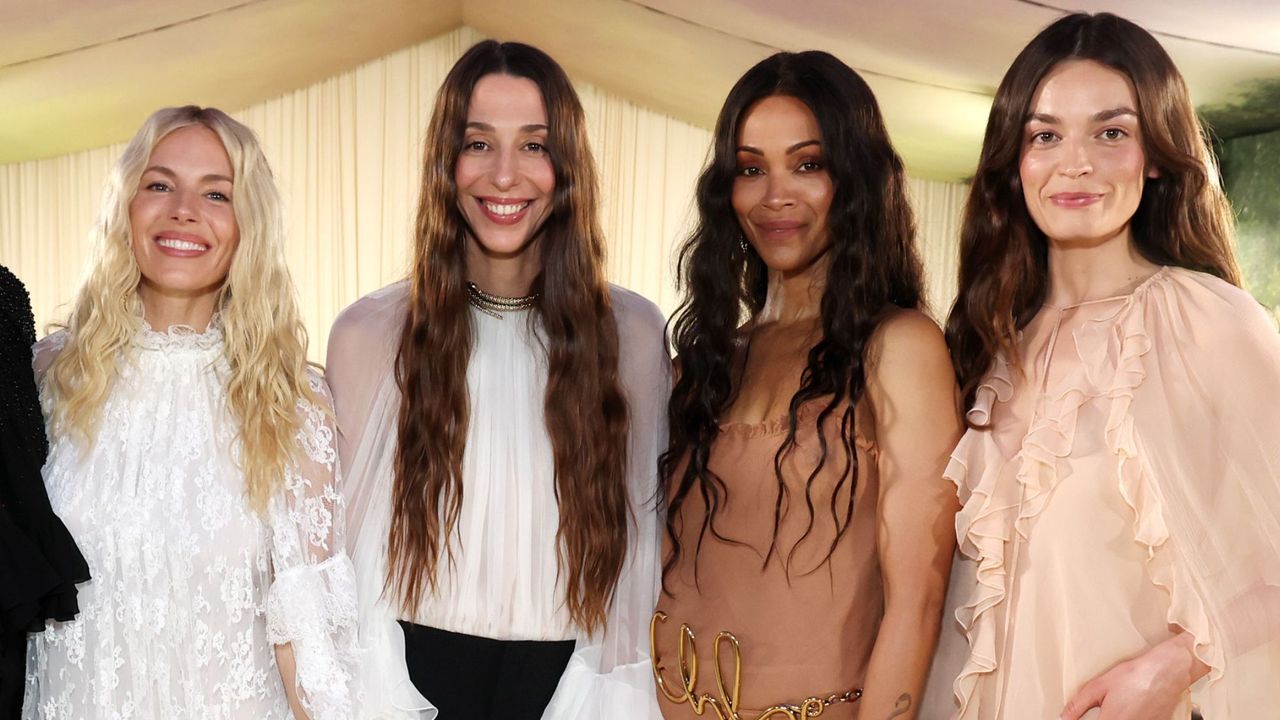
{"x":181,"y":337}
{"x":1141,"y":493}
{"x":313,"y":609}
{"x":1116,"y":350}
{"x":386,"y":691}
{"x":1111,"y":368}
{"x":626,"y":691}
{"x":982,"y":528}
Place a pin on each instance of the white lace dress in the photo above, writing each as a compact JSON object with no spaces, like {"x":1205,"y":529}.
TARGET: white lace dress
{"x":191,"y":588}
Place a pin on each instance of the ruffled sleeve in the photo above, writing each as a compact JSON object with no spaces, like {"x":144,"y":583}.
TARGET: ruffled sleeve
{"x":360,"y":366}
{"x":311,"y":604}
{"x":1200,"y":453}
{"x":609,"y":674}
{"x":1187,"y":373}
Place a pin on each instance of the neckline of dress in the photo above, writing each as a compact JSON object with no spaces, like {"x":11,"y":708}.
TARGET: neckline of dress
{"x":180,"y":336}
{"x":1140,"y":287}
{"x":763,"y":428}
{"x":778,"y":425}
{"x":499,"y":314}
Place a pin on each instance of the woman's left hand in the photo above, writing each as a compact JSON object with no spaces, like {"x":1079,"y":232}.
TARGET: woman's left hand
{"x":1148,"y":687}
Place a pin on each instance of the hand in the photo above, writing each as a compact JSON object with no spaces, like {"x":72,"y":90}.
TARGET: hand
{"x":1148,"y":687}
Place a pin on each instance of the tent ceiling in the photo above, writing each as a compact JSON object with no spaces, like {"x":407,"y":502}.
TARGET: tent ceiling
{"x":76,"y":74}
{"x":83,"y":73}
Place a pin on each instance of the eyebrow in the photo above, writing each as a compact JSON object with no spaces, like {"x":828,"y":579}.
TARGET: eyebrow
{"x":1102,"y":116}
{"x":486,"y":127}
{"x":794,"y":148}
{"x":166,"y":171}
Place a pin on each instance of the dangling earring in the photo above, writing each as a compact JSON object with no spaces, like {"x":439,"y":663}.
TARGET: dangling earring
{"x":742,"y":243}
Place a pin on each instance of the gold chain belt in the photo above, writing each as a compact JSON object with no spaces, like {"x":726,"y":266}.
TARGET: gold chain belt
{"x":725,"y":705}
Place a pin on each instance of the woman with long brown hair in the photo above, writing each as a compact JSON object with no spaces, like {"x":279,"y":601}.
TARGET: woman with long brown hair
{"x":501,"y":414}
{"x":809,"y":527}
{"x":1119,"y":480}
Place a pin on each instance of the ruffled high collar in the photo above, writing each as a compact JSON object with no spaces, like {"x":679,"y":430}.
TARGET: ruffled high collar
{"x":177,"y":338}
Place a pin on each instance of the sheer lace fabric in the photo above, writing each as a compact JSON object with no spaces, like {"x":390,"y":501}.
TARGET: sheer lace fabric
{"x":504,"y":582}
{"x":191,"y":587}
{"x":1128,"y":488}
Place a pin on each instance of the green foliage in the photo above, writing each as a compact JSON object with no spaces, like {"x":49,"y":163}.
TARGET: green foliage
{"x":1251,"y":173}
{"x":1255,"y":109}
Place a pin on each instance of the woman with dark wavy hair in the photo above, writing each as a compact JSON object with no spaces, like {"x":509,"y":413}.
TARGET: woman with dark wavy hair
{"x":501,"y":414}
{"x":1119,"y":479}
{"x":808,"y":532}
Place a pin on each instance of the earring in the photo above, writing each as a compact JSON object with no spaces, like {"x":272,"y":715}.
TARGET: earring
{"x":742,"y":242}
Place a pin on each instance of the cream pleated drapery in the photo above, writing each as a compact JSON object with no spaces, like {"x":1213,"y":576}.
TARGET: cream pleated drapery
{"x":347,"y":154}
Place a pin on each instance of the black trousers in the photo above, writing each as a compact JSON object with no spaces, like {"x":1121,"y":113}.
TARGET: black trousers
{"x":477,"y":678}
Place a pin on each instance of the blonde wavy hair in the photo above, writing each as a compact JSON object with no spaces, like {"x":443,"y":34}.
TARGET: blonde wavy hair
{"x":265,"y":343}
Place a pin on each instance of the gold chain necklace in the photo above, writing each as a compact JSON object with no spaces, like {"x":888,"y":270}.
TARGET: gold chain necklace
{"x":495,"y":305}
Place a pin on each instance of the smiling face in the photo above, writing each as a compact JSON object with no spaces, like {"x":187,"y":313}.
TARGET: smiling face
{"x":1083,"y":166}
{"x":782,"y":192}
{"x":504,"y":174}
{"x":184,"y":230}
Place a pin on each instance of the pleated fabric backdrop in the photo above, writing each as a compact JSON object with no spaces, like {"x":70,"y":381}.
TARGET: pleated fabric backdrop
{"x":347,"y":153}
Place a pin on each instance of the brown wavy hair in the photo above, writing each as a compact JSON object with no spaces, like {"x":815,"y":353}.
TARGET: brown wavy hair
{"x":1183,"y":218}
{"x":874,"y":267}
{"x":585,"y":411}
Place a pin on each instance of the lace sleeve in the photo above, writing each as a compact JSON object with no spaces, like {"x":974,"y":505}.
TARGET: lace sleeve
{"x":43,"y":353}
{"x":311,"y":604}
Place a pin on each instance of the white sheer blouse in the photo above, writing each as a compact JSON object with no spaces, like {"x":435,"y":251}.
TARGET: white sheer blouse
{"x":191,"y":588}
{"x":504,"y":581}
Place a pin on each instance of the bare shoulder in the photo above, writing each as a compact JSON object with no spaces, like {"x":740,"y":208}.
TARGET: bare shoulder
{"x":908,"y":363}
{"x":907,"y":336}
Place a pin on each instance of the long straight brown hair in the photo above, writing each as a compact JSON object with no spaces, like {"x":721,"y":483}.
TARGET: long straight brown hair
{"x":1183,"y":218}
{"x":585,"y":411}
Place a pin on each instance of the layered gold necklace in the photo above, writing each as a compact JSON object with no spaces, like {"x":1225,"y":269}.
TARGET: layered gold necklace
{"x":495,"y":305}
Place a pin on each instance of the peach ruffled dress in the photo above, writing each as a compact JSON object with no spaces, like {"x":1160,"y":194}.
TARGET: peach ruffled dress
{"x":1126,"y":488}
{"x":803,"y":633}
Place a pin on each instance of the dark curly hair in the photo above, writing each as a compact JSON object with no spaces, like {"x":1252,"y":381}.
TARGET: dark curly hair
{"x":874,"y":267}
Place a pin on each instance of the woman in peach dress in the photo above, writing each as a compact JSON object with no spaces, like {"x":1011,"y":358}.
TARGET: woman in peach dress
{"x":1121,"y":514}
{"x":809,"y":528}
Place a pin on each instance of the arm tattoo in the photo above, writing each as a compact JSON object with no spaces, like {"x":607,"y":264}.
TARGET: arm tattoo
{"x":901,"y":707}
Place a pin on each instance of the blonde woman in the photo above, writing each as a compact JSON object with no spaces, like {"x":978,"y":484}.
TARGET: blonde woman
{"x":192,"y":454}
